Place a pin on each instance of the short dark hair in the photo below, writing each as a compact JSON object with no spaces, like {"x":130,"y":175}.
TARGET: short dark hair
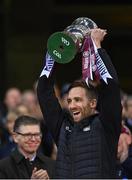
{"x":25,"y":120}
{"x":90,"y":90}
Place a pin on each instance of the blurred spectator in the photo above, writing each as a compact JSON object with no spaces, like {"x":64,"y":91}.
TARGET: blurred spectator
{"x":125,"y":141}
{"x":8,"y":146}
{"x":3,"y":139}
{"x":63,"y":95}
{"x":22,"y":110}
{"x":17,"y":104}
{"x":2,"y":112}
{"x":30,"y":101}
{"x":10,"y":121}
{"x":124,"y":97}
{"x":2,"y":130}
{"x":127,"y":165}
{"x":128,"y":120}
{"x":12,"y":98}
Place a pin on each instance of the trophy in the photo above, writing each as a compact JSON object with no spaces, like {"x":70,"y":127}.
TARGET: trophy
{"x":63,"y":46}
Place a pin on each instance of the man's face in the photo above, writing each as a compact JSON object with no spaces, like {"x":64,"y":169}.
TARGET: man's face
{"x":28,"y":138}
{"x":13,"y":98}
{"x":79,"y":105}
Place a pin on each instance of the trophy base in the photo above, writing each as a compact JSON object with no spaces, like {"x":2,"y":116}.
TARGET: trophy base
{"x":61,"y":47}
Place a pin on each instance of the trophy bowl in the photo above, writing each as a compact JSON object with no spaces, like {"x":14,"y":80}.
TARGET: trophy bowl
{"x":63,"y":46}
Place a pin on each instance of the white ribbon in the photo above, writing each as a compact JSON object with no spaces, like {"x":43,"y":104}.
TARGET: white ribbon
{"x":48,"y":66}
{"x":104,"y":74}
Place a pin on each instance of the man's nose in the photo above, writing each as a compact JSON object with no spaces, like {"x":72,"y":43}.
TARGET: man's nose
{"x":33,"y":138}
{"x":72,"y":105}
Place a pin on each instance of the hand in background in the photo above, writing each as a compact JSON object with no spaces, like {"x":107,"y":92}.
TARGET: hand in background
{"x":123,"y":146}
{"x":39,"y":174}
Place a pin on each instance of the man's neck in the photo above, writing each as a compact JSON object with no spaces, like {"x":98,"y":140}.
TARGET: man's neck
{"x":31,"y":156}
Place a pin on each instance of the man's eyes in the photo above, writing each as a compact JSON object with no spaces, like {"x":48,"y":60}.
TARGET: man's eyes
{"x":75,"y":99}
{"x":68,"y":101}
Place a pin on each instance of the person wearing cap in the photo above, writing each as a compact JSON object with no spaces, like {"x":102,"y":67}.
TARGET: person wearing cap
{"x":86,"y":137}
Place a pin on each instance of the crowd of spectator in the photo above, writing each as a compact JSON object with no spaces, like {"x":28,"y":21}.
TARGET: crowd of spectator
{"x":17,"y":103}
{"x":14,"y":105}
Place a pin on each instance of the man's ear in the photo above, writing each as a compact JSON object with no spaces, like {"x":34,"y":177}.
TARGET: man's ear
{"x":93,"y":103}
{"x":15,"y":137}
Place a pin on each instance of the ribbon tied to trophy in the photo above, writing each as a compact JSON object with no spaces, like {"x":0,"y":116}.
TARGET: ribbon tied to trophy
{"x":63,"y":46}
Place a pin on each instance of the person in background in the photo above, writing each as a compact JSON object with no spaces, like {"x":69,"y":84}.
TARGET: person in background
{"x":63,"y":95}
{"x":125,"y":140}
{"x":2,"y":111}
{"x":22,"y":110}
{"x":11,"y":118}
{"x":12,"y":98}
{"x":9,"y":145}
{"x":125,"y":153}
{"x":29,"y":100}
{"x":128,"y":107}
{"x":10,"y":101}
{"x":25,"y":162}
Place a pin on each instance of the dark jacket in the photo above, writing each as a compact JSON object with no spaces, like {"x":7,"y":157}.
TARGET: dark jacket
{"x":87,"y":149}
{"x":16,"y":166}
{"x":7,"y":147}
{"x":127,"y":165}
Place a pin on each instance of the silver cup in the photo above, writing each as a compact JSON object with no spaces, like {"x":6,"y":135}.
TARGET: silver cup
{"x":63,"y":46}
{"x":79,"y":29}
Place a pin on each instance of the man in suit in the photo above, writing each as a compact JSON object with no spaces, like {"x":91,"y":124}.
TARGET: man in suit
{"x":26,"y":162}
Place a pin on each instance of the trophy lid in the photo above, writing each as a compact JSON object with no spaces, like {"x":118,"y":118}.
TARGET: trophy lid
{"x":87,"y":22}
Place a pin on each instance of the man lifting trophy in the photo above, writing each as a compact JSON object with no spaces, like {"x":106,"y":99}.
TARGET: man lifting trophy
{"x":63,"y":46}
{"x":87,"y":131}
